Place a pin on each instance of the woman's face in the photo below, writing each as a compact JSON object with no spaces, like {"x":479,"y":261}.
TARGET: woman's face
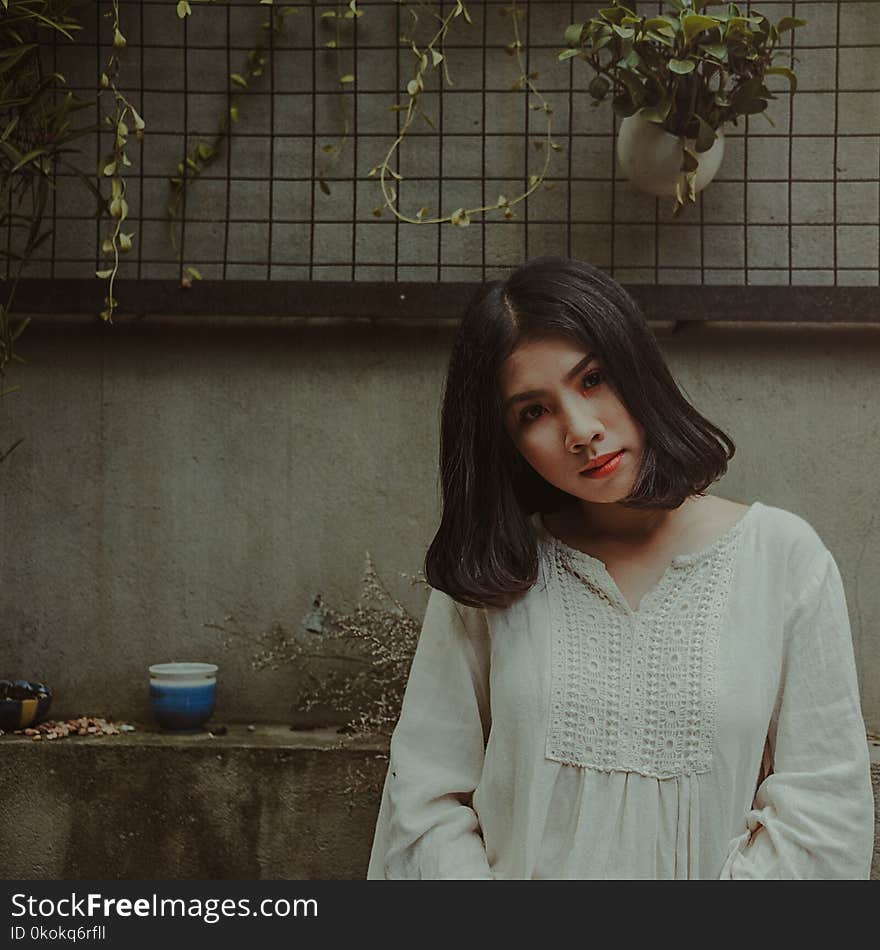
{"x":563,"y":414}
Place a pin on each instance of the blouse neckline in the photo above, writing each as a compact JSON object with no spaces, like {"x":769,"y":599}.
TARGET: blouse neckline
{"x":679,"y":560}
{"x":592,"y":567}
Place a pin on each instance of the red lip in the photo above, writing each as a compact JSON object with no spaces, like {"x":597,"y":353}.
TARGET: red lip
{"x":599,"y":460}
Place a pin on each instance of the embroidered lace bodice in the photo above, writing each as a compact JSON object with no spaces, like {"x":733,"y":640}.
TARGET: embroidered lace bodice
{"x":637,"y":690}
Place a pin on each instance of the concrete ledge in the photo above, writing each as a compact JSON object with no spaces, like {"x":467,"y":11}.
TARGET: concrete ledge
{"x":249,"y":805}
{"x":267,"y":804}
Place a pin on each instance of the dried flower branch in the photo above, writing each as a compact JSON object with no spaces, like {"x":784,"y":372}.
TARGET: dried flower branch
{"x":355,"y":662}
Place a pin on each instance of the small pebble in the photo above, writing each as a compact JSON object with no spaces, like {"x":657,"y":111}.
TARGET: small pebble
{"x":83,"y":726}
{"x":251,"y":728}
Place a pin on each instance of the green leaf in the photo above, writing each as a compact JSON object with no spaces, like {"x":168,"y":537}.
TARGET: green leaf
{"x":784,"y":71}
{"x":29,"y":157}
{"x":624,"y":106}
{"x":460,"y":218}
{"x":632,"y":61}
{"x":193,"y":272}
{"x":681,"y":66}
{"x":567,"y":54}
{"x":599,"y":87}
{"x":233,"y":113}
{"x":239,"y":79}
{"x":103,"y":274}
{"x":790,"y":23}
{"x":601,"y":43}
{"x":613,"y":14}
{"x":573,"y":34}
{"x":657,"y":113}
{"x":657,"y":38}
{"x":754,"y":107}
{"x":705,"y":137}
{"x":10,"y":128}
{"x":183,"y":9}
{"x":634,"y":87}
{"x":716,"y":51}
{"x":436,"y":57}
{"x":348,"y":77}
{"x":695,"y":23}
{"x":659,"y":24}
{"x":689,"y":161}
{"x":17,"y":332}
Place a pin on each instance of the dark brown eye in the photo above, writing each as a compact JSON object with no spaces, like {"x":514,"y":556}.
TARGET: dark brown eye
{"x":526,"y":414}
{"x":593,"y":374}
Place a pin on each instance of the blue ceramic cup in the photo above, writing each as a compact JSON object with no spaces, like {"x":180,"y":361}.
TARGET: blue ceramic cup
{"x":182,"y":694}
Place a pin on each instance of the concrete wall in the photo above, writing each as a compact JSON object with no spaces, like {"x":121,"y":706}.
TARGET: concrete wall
{"x":175,"y":474}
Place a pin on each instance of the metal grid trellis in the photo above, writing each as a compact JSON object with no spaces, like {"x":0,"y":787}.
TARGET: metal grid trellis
{"x":794,"y":204}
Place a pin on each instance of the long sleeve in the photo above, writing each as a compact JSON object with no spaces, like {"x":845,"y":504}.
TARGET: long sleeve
{"x":813,"y":814}
{"x":427,"y":827}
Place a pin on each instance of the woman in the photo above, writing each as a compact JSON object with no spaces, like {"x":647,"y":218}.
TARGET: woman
{"x":618,"y":676}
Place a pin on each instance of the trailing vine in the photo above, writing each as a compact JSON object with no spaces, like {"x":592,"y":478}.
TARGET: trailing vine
{"x":344,"y":79}
{"x":430,"y":58}
{"x":204,"y":154}
{"x":117,"y":241}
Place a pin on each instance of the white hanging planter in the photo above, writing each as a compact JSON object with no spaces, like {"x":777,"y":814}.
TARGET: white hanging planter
{"x":651,"y":157}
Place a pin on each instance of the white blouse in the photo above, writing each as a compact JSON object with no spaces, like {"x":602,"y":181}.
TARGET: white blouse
{"x":715,"y":732}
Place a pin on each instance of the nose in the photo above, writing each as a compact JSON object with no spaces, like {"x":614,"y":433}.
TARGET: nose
{"x":582,"y":428}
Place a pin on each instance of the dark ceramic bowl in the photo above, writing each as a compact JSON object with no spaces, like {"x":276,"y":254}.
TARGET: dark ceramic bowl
{"x":23,"y":703}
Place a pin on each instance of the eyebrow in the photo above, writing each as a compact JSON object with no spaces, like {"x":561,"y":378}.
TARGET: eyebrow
{"x":535,"y":393}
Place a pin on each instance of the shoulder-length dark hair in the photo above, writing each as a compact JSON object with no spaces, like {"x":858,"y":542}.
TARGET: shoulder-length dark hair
{"x":485,"y":552}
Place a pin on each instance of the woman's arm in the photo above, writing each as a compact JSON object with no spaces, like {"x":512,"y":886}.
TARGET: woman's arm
{"x":813,"y":816}
{"x":426,"y":826}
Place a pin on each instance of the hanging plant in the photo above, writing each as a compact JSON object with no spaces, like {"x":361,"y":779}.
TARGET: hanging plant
{"x":676,"y":80}
{"x":37,"y":132}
